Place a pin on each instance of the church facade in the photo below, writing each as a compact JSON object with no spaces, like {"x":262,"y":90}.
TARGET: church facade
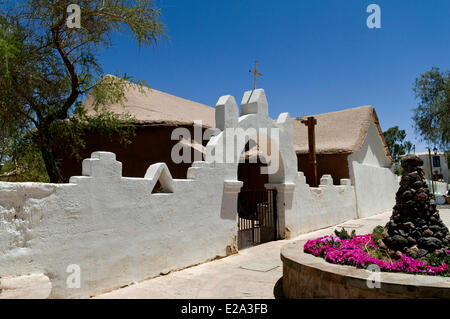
{"x":349,"y":145}
{"x":118,"y":230}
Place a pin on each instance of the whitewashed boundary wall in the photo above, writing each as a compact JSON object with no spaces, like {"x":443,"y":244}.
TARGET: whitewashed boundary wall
{"x":118,"y":232}
{"x":318,"y":207}
{"x":375,"y":189}
{"x":113,"y":227}
{"x":375,"y":183}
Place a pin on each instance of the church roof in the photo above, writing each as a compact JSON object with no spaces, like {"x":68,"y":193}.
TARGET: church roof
{"x":339,"y":132}
{"x":156,"y":107}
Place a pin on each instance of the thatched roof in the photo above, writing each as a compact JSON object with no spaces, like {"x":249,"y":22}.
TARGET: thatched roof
{"x":339,"y":132}
{"x":156,"y":107}
{"x":193,"y":144}
{"x":336,"y":132}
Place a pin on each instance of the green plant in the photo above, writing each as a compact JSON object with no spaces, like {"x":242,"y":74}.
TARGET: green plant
{"x":431,"y":116}
{"x":395,"y":140}
{"x":398,"y":170}
{"x":47,"y":70}
{"x":343,"y":234}
{"x":26,"y":165}
{"x":334,"y":243}
{"x":377,"y":233}
{"x":434,"y":260}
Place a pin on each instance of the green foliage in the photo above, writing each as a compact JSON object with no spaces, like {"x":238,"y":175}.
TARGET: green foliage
{"x":395,"y":139}
{"x":377,"y":233}
{"x":334,"y":243}
{"x":70,"y":133}
{"x":343,"y":234}
{"x":9,"y":44}
{"x":434,"y":260}
{"x":46,"y":69}
{"x":27,"y":167}
{"x":376,"y":253}
{"x":432,"y":115}
{"x":398,"y":169}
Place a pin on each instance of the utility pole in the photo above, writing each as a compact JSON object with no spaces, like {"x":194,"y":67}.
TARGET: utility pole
{"x":431,"y":169}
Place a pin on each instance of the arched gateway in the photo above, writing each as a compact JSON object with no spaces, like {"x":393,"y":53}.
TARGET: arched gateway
{"x":243,"y":143}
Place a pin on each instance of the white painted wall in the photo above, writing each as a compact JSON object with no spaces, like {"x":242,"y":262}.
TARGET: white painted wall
{"x":375,"y":189}
{"x":372,"y":151}
{"x":375,"y":183}
{"x":443,"y":169}
{"x":315,"y":208}
{"x":112,"y":227}
{"x":118,"y":232}
{"x":440,"y":187}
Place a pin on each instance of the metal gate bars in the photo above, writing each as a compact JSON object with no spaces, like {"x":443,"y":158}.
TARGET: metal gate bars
{"x":257,"y":221}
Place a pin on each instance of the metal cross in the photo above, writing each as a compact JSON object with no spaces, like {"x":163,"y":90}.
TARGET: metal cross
{"x":255,"y":74}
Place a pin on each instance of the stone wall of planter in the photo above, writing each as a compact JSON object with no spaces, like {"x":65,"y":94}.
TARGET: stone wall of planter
{"x":308,"y":276}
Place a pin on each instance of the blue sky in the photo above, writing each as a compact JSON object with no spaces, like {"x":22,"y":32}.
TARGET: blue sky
{"x":315,"y":56}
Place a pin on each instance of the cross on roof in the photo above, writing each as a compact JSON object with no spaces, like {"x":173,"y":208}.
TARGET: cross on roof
{"x":255,"y":74}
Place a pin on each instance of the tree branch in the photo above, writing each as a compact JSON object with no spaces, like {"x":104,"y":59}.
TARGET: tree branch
{"x":62,"y":114}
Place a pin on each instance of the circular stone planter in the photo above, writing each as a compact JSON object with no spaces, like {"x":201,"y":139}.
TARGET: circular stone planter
{"x":308,"y":276}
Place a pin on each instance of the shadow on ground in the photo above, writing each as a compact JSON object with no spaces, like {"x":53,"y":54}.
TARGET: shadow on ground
{"x":278,"y":289}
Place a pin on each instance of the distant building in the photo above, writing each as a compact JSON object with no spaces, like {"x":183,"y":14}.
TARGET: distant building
{"x":439,"y":164}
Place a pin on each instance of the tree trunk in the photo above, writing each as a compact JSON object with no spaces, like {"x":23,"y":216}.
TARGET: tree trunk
{"x":49,"y":157}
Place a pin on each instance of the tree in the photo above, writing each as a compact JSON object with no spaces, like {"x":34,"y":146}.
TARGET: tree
{"x":395,"y":139}
{"x":47,"y":68}
{"x":432,"y":115}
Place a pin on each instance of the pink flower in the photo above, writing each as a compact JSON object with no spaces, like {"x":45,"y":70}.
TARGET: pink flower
{"x":352,"y":252}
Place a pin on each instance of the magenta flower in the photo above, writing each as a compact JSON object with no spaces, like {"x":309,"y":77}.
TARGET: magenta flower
{"x":353,"y":252}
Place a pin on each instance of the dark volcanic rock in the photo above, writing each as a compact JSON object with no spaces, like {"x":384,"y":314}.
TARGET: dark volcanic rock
{"x":429,"y":243}
{"x":413,"y":251}
{"x":411,"y":160}
{"x":398,"y":242}
{"x":415,"y":226}
{"x":427,"y":233}
{"x":417,"y":184}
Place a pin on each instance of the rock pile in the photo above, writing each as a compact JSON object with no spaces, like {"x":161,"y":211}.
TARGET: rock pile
{"x":415,"y":227}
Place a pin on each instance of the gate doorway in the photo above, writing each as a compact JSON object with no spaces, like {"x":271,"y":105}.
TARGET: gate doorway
{"x":257,"y":217}
{"x":257,"y":207}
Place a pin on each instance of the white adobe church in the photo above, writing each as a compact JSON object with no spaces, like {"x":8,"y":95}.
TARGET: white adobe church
{"x":117,"y":231}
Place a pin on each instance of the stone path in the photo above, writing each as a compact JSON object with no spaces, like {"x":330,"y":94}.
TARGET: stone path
{"x":252,"y":273}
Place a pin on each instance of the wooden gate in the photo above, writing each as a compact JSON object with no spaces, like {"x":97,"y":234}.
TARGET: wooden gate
{"x":257,"y":221}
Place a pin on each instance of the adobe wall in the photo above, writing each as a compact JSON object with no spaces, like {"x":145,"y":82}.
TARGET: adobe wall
{"x":335,"y":165}
{"x":375,"y":183}
{"x":314,"y":208}
{"x":151,"y":144}
{"x":113,"y":227}
{"x":118,"y":232}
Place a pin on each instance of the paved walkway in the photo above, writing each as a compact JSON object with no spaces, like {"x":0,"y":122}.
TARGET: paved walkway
{"x":252,"y":273}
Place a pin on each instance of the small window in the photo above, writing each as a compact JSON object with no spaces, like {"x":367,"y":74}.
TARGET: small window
{"x":436,"y":161}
